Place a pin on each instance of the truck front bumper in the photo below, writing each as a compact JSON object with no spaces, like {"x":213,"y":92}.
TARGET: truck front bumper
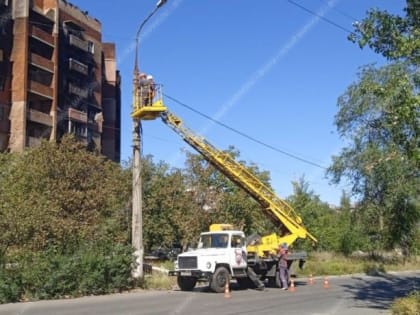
{"x":205,"y":275}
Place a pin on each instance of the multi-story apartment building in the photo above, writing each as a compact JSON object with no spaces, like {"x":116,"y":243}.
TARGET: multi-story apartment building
{"x":56,"y":77}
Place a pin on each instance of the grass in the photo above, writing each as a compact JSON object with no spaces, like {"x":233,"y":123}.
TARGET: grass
{"x":159,"y":280}
{"x":335,"y":264}
{"x":409,"y":305}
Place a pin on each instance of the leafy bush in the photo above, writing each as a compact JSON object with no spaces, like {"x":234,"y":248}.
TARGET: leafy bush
{"x":10,"y":285}
{"x":373,"y":269}
{"x":92,"y":269}
{"x":409,"y":305}
{"x":66,"y":197}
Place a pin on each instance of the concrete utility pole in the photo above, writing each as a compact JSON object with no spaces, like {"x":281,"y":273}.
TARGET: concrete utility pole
{"x":137,"y":211}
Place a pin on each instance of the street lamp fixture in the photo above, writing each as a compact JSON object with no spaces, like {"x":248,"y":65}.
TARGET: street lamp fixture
{"x":137,"y":203}
{"x":159,"y":4}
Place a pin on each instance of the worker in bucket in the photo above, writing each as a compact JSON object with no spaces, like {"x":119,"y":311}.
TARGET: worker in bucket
{"x":145,"y":89}
{"x":151,"y":88}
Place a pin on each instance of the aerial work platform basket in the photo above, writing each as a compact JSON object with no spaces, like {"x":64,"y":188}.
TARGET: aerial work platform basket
{"x":150,"y":106}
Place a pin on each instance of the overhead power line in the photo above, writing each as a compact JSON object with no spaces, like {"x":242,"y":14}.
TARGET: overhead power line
{"x":348,"y":16}
{"x":321,"y":17}
{"x":294,"y":156}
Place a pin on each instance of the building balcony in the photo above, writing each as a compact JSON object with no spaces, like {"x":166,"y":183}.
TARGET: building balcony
{"x":48,"y":16}
{"x":41,"y":62}
{"x":39,"y":117}
{"x":77,"y":115}
{"x":40,"y":89}
{"x":41,"y":35}
{"x":74,"y":89}
{"x":78,"y":43}
{"x":5,"y":126}
{"x":78,"y":66}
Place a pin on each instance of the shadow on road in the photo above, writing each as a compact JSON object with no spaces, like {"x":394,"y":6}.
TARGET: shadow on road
{"x":202,"y":288}
{"x":379,"y":292}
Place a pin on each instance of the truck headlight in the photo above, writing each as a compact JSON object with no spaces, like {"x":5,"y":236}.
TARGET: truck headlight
{"x":208,"y":265}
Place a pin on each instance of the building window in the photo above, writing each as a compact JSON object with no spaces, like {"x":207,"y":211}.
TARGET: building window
{"x":91,"y":47}
{"x":2,"y":82}
{"x":2,"y":113}
{"x":40,"y":76}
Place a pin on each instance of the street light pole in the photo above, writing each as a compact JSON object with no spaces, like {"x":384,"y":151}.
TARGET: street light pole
{"x":137,"y":206}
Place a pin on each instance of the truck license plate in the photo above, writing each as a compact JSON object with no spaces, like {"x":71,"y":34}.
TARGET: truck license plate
{"x":185,"y":273}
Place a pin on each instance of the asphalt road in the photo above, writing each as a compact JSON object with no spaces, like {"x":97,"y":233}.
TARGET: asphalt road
{"x":357,"y":294}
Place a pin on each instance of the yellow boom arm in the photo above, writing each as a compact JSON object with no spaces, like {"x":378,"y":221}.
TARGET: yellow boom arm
{"x":277,"y":209}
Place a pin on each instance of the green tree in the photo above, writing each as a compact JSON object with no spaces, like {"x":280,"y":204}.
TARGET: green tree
{"x":61,"y":195}
{"x":352,"y":235}
{"x":393,"y":36}
{"x":236,"y":206}
{"x":378,"y":116}
{"x":213,"y":198}
{"x":165,"y":211}
{"x":320,"y":220}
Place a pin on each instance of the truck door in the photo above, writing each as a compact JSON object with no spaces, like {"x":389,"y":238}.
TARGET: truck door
{"x":238,"y":251}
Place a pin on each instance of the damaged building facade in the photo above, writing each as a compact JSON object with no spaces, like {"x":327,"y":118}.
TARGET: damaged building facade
{"x":56,"y":77}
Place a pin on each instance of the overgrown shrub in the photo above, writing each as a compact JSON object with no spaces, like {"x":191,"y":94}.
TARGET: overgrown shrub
{"x":10,"y":285}
{"x":409,"y":305}
{"x":92,"y":269}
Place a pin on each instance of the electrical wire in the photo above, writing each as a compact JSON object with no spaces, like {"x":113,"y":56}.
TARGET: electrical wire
{"x":348,"y":16}
{"x":321,"y":17}
{"x":290,"y":1}
{"x":294,"y":156}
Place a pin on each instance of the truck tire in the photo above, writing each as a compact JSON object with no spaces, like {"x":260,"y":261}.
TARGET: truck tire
{"x":218,"y":280}
{"x":186,"y":283}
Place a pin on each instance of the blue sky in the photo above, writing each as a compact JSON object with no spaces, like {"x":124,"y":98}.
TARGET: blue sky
{"x":268,"y":69}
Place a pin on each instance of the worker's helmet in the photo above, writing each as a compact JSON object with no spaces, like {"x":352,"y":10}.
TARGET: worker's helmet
{"x":149,"y":77}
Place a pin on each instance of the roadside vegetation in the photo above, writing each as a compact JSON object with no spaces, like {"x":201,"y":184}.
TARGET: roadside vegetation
{"x":329,"y":263}
{"x":409,"y":305}
{"x":65,"y":212}
{"x":63,"y":217}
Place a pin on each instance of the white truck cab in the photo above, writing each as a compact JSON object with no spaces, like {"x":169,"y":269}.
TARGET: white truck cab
{"x":220,"y":255}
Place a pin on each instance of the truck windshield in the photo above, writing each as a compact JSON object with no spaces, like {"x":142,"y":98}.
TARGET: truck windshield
{"x":216,"y":240}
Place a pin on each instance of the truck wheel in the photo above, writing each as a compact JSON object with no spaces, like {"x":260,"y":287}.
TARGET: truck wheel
{"x":218,"y":280}
{"x":186,"y":283}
